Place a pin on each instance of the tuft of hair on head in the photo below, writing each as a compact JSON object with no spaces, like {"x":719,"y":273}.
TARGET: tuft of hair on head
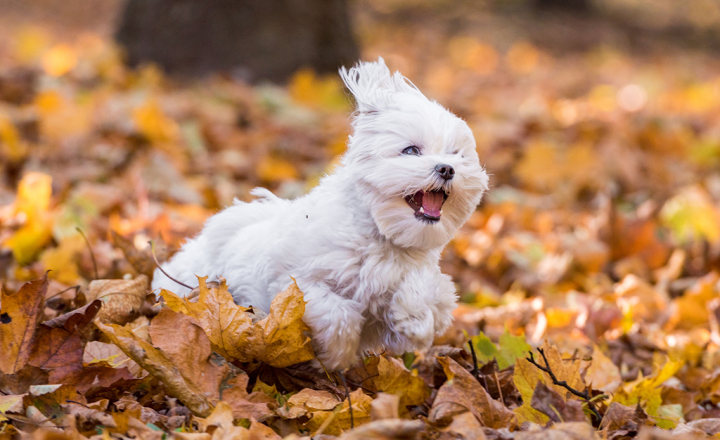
{"x":373,"y":86}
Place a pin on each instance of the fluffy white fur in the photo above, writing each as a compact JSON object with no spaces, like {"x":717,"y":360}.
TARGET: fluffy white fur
{"x":367,"y":265}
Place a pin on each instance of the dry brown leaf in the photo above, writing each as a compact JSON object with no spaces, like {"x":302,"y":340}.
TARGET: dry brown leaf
{"x":140,"y":260}
{"x":97,"y":352}
{"x":462,"y":393}
{"x":279,"y":339}
{"x":527,"y":376}
{"x":549,"y":402}
{"x":602,"y":374}
{"x":155,"y":362}
{"x":385,"y":406}
{"x":122,"y":299}
{"x":341,"y":416}
{"x":562,"y":431}
{"x":240,"y":402}
{"x":391,"y":429}
{"x":20,"y":314}
{"x":59,"y":349}
{"x":225,"y":323}
{"x":466,"y":426}
{"x":394,"y":378}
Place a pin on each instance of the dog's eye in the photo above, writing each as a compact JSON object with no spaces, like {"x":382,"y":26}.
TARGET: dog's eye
{"x":412,"y":150}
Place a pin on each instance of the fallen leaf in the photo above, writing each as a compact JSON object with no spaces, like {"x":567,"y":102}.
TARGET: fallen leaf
{"x":462,"y":393}
{"x":391,"y":429}
{"x":466,"y":426}
{"x":602,"y":374}
{"x":20,"y":314}
{"x":559,"y":410}
{"x":527,"y":376}
{"x":278,"y":339}
{"x":224,"y":322}
{"x":385,"y":406}
{"x":122,"y":299}
{"x":97,"y":352}
{"x":155,"y":362}
{"x":394,"y":378}
{"x":562,"y":431}
{"x":33,"y":202}
{"x":50,"y":398}
{"x":340,"y":422}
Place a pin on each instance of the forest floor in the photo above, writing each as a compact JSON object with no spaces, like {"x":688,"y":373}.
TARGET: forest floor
{"x":598,"y":242}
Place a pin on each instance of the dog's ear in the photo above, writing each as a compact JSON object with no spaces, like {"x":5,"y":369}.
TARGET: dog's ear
{"x":372,"y":85}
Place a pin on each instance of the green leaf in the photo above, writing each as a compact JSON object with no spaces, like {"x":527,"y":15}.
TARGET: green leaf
{"x":485,"y":350}
{"x":511,"y":348}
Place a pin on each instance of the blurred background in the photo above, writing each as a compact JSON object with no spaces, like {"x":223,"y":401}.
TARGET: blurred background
{"x":599,"y":122}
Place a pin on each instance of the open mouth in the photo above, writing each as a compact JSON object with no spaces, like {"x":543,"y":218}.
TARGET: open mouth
{"x":427,"y":205}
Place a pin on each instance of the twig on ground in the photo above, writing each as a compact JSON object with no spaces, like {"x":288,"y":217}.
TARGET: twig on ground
{"x":77,"y":289}
{"x":152,"y":251}
{"x":347,"y":393}
{"x":92,"y":254}
{"x":497,"y":381}
{"x":582,"y":394}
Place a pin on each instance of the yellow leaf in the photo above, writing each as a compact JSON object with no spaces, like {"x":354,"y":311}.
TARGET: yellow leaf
{"x":307,"y":88}
{"x":225,"y":323}
{"x":59,"y":60}
{"x":272,"y":169}
{"x":278,"y":339}
{"x":62,"y":260}
{"x":647,"y":391}
{"x":527,"y":376}
{"x":30,"y":43}
{"x":340,"y":422}
{"x":10,"y":404}
{"x":32,"y":203}
{"x":691,"y":215}
{"x":153,"y":124}
{"x":395,"y":379}
{"x":10,"y":141}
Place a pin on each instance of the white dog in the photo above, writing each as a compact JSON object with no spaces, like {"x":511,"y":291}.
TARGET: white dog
{"x":364,"y":245}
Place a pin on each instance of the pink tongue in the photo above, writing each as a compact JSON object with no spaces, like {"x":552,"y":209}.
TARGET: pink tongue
{"x":432,"y":203}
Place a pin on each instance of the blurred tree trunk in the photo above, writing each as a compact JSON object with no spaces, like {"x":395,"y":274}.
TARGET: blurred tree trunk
{"x":579,"y":6}
{"x":257,"y":40}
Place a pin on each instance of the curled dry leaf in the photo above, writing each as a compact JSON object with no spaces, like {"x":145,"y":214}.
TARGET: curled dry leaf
{"x":20,"y":314}
{"x":140,"y":260}
{"x":391,"y":429}
{"x":158,"y":365}
{"x":278,"y":340}
{"x":340,"y":417}
{"x":461,"y":393}
{"x":394,"y":378}
{"x":307,"y":401}
{"x":97,"y":352}
{"x":122,"y":299}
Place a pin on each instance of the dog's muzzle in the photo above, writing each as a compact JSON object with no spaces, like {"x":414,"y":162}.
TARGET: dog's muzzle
{"x":427,"y":205}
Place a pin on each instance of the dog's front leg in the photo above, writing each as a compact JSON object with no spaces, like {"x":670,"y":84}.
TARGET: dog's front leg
{"x":336,"y":325}
{"x":421,"y":309}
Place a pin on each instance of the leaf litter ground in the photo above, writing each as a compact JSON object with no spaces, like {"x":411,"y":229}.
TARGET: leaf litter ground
{"x":599,"y":244}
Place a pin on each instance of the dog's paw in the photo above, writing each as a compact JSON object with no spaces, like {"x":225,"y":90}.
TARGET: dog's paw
{"x":414,"y":333}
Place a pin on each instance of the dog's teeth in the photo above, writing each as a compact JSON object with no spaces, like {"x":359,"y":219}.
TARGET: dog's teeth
{"x":422,"y":210}
{"x":441,"y":212}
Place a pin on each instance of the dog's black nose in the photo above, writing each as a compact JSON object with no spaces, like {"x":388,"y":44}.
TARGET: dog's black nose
{"x":446,"y":171}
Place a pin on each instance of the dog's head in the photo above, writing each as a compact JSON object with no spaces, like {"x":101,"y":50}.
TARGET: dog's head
{"x":414,"y":162}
